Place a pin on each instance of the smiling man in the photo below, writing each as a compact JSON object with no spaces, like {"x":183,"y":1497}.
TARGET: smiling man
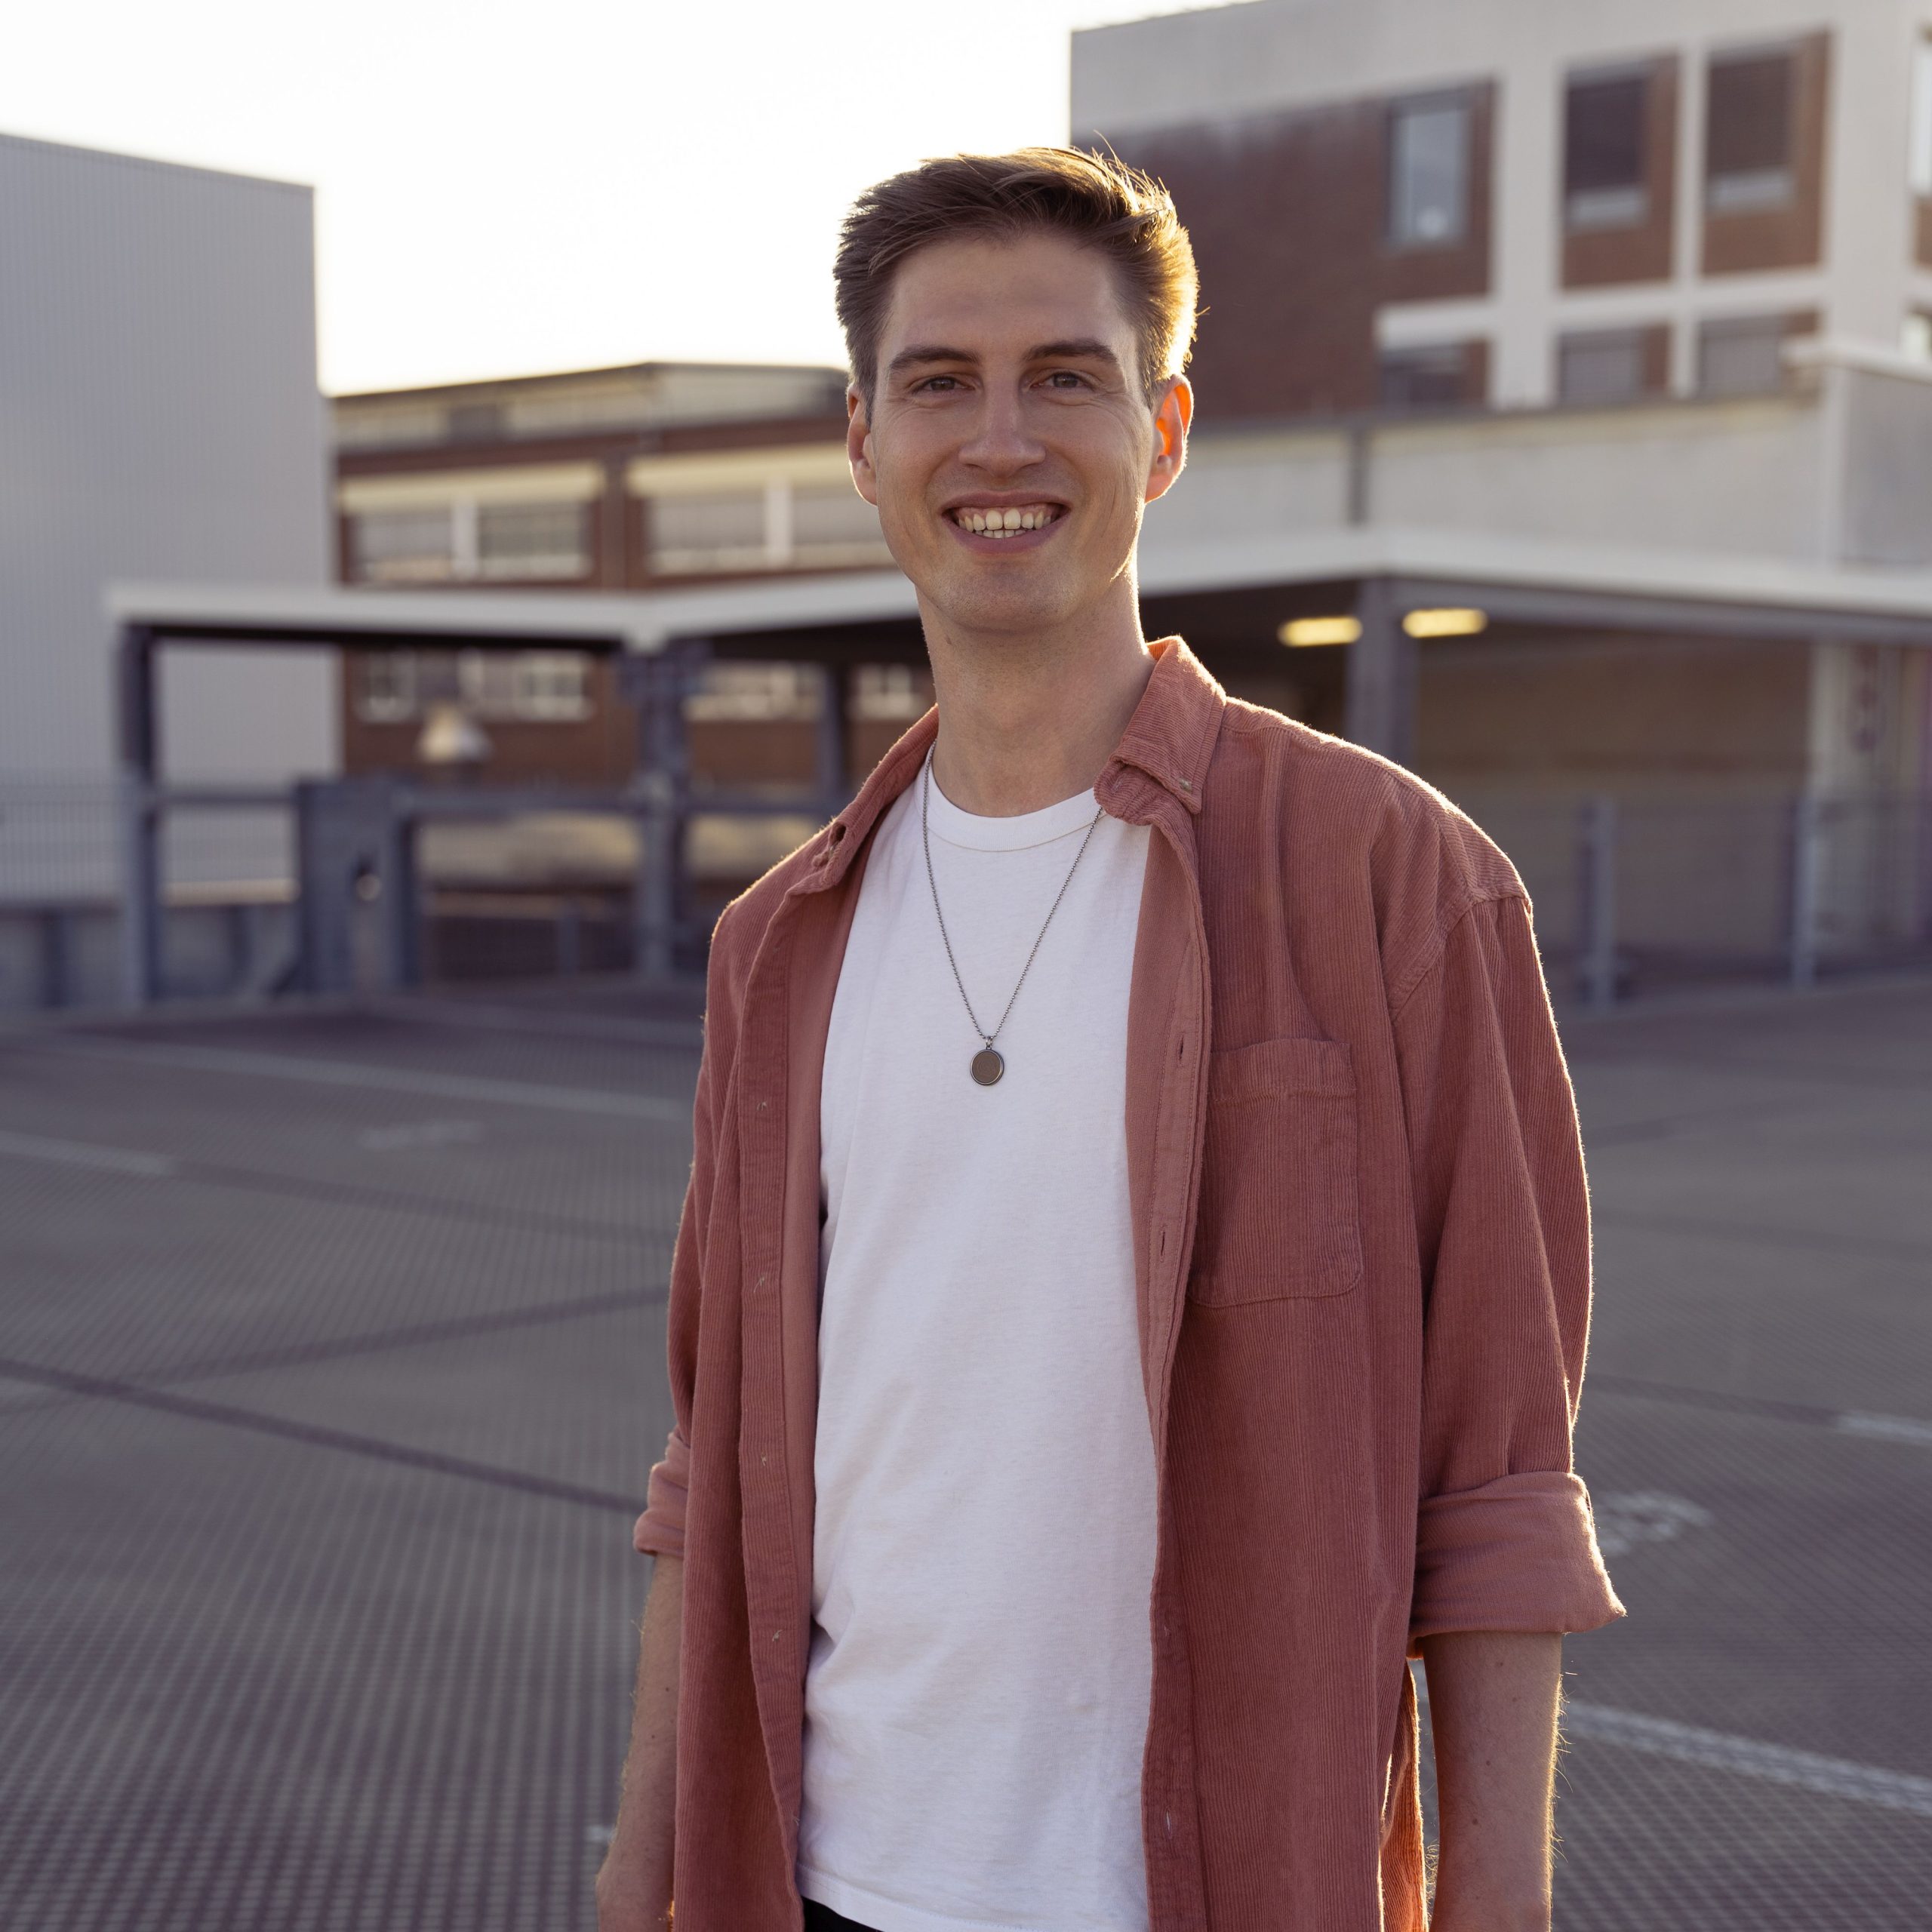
{"x":1132,"y":1292}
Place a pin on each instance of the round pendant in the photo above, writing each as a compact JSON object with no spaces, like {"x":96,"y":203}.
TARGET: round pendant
{"x":987,"y":1066}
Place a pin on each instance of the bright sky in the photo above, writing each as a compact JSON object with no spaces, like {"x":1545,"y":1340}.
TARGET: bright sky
{"x":505,"y":188}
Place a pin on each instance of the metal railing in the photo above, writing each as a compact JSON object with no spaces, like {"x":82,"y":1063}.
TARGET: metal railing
{"x":1634,"y":894}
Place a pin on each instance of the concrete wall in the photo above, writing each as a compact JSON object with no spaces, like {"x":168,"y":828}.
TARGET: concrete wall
{"x":1743,"y":478}
{"x":1740,"y":478}
{"x":159,"y":420}
{"x":1885,"y":512}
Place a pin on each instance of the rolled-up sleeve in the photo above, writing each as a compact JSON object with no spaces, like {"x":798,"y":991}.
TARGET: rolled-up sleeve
{"x":1505,"y":1539}
{"x":659,"y":1531}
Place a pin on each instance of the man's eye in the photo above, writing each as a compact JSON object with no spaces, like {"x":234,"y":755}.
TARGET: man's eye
{"x":1067,"y":379}
{"x":938,"y":382}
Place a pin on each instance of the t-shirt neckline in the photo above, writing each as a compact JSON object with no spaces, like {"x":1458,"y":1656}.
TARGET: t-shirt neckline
{"x":959,"y":827}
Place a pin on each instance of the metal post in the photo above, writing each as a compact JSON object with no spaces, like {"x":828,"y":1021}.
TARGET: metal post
{"x":1381,"y":706}
{"x":140,"y":824}
{"x":400,"y":908}
{"x":661,"y":788}
{"x":834,"y":735}
{"x":1597,"y":849}
{"x":1807,"y":875}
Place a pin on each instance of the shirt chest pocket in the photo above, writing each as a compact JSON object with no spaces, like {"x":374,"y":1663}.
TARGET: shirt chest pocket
{"x":1280,"y":1212}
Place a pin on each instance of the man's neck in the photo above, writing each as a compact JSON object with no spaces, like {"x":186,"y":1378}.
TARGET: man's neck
{"x":1026,"y":721}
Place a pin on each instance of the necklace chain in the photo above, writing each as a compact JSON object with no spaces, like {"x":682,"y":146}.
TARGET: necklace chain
{"x":925,"y":838}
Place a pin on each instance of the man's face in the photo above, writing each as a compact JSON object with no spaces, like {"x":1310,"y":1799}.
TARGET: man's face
{"x":1008,"y":401}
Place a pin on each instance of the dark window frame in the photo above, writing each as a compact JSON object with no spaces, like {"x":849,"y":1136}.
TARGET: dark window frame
{"x":1760,"y":162}
{"x":1629,"y":78}
{"x":1463,"y":100}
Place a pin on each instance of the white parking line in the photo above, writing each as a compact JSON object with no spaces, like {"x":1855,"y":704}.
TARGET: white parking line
{"x":1836,"y":1777}
{"x":1811,"y":1771}
{"x":383,"y":1079}
{"x":1888,"y":1428}
{"x":77,"y":1154}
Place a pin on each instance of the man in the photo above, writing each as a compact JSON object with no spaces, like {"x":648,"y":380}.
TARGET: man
{"x":1132,"y":1292}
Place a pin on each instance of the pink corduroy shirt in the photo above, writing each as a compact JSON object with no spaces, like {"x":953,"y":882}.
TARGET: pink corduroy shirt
{"x":1362,"y":1262}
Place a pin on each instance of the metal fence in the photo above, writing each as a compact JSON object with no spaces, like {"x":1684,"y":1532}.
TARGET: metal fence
{"x":1634,"y":894}
{"x":1639,"y":894}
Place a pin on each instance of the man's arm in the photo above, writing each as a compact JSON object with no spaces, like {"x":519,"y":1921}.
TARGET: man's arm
{"x":634,"y":1885}
{"x":1492,"y":1708}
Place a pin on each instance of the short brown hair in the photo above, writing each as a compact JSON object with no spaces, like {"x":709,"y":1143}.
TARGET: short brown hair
{"x":1096,"y":200}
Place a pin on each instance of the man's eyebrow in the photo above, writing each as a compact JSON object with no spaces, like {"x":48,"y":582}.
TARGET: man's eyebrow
{"x":1089,"y":349}
{"x":1081,"y":348}
{"x":923,"y":352}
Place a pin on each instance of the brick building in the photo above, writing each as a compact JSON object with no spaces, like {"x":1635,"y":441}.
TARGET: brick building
{"x":1425,"y":203}
{"x":653,"y":477}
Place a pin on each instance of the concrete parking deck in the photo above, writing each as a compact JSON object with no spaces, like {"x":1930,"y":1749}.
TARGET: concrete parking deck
{"x":330,"y":1368}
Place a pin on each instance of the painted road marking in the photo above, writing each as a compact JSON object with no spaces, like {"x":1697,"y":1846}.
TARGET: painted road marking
{"x":1780,"y":1763}
{"x":420,"y":1133}
{"x":382,"y":1079}
{"x":1624,"y":1521}
{"x":1888,"y":1428}
{"x":1850,"y":1421}
{"x":1835,"y":1777}
{"x":77,"y":1154}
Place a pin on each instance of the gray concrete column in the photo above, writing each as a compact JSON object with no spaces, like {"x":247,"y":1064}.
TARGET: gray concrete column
{"x":1381,"y":708}
{"x":140,"y":822}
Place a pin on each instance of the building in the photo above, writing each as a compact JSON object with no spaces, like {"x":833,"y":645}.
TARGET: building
{"x":653,"y":477}
{"x":163,"y":420}
{"x":160,"y":420}
{"x":1412,"y":204}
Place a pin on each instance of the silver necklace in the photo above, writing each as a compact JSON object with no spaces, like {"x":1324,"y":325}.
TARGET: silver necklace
{"x":988,"y":1065}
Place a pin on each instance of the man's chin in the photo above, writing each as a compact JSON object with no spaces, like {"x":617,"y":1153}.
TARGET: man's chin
{"x":968,"y":602}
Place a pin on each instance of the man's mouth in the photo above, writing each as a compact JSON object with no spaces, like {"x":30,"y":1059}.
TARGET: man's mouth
{"x":1004,"y":520}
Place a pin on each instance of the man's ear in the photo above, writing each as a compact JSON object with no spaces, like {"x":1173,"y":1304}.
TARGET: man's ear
{"x":1172,"y":414}
{"x":859,"y":445}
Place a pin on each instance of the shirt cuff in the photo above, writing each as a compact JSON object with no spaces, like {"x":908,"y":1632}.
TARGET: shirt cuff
{"x":659,"y":1531}
{"x":1517,"y":1554}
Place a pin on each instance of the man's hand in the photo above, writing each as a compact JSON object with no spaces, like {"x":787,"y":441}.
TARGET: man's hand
{"x":634,"y":1884}
{"x":1492,"y":1706}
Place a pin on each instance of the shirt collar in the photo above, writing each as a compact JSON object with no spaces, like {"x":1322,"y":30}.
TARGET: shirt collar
{"x":1170,"y":737}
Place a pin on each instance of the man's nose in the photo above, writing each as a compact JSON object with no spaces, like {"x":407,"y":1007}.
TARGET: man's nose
{"x":1002,"y":440}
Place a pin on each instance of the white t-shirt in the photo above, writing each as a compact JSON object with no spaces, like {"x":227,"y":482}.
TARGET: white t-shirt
{"x":977,"y":1696}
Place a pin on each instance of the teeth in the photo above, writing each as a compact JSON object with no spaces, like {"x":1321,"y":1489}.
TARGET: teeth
{"x":1004,"y":522}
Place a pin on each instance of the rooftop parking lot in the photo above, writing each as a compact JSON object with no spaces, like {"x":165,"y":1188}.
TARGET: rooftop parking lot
{"x":331,"y":1369}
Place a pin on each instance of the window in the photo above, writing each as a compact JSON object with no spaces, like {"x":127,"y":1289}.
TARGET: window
{"x":1429,"y":377}
{"x":1604,"y":366}
{"x":530,"y":685}
{"x":1744,"y":356}
{"x":892,"y":693}
{"x":552,"y":684}
{"x":832,"y":523}
{"x":540,"y":685}
{"x":1921,"y":160}
{"x":714,"y":532}
{"x":475,"y":422}
{"x":402,"y":546}
{"x":781,"y":525}
{"x":1605,"y":129}
{"x":465,"y":539}
{"x":1748,"y":132}
{"x":1429,"y":171}
{"x":531,"y":541}
{"x":758,"y":694}
{"x":385,"y":688}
